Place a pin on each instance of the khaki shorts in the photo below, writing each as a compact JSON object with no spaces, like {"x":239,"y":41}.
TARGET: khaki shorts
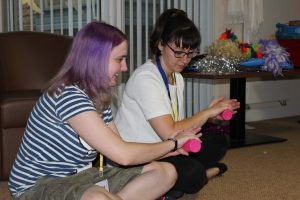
{"x":73,"y":187}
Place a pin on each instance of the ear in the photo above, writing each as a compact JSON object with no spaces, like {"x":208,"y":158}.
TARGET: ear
{"x":160,"y":46}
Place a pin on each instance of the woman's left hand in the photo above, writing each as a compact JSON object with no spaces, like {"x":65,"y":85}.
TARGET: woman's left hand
{"x":223,"y":104}
{"x":193,"y":130}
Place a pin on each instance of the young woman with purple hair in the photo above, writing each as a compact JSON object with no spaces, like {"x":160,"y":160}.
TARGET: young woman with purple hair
{"x":72,"y":122}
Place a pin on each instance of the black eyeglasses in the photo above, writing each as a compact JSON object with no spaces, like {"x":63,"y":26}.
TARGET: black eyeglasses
{"x":181,"y":54}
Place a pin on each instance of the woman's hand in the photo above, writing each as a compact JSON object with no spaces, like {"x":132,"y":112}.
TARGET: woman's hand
{"x":217,"y":106}
{"x":182,"y":136}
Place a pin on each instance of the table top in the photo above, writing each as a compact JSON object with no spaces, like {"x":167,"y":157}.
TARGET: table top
{"x":286,"y":74}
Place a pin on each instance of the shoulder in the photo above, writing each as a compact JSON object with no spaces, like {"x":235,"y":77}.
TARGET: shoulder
{"x":71,"y":101}
{"x":72,"y":89}
{"x":146,"y":71}
{"x":72,"y":92}
{"x":144,"y":79}
{"x":147,"y":67}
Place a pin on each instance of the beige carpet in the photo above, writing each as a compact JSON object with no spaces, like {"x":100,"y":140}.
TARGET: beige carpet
{"x":262,"y":172}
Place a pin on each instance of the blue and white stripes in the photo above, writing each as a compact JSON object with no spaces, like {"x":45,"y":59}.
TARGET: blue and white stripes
{"x":50,"y":147}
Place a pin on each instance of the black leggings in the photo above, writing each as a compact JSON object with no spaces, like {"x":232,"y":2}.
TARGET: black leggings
{"x":191,"y":169}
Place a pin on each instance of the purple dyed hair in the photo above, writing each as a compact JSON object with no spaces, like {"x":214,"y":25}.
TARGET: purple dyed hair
{"x":87,"y":62}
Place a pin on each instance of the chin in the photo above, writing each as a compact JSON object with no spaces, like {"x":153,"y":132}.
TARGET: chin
{"x":179,"y":70}
{"x":113,"y":84}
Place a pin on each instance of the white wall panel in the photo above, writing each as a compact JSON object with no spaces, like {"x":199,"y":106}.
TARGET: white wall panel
{"x":262,"y":95}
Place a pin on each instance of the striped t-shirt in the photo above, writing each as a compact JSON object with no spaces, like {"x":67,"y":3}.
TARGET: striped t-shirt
{"x":50,"y":147}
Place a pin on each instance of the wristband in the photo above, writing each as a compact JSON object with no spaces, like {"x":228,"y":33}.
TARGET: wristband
{"x":175,"y":143}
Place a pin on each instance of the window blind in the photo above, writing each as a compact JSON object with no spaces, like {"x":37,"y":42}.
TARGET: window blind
{"x":135,"y":17}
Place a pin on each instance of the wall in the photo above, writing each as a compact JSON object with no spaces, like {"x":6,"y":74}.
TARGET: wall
{"x":266,"y":98}
{"x":1,"y":16}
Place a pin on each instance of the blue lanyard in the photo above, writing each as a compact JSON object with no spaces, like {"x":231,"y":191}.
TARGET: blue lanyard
{"x":166,"y":82}
{"x":163,"y":75}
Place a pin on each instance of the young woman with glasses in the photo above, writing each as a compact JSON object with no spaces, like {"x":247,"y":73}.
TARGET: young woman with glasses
{"x":152,"y":106}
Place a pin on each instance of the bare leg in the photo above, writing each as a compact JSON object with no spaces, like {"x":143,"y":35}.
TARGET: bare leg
{"x":98,"y":193}
{"x":156,"y":179}
{"x":216,"y":170}
{"x":212,"y":172}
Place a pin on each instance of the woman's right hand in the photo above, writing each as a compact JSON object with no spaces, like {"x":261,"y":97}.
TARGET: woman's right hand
{"x":182,"y":136}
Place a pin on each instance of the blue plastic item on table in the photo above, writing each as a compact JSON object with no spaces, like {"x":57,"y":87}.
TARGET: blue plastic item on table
{"x":253,"y":62}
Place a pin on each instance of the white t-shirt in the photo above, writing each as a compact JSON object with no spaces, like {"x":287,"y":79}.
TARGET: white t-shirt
{"x":146,"y":97}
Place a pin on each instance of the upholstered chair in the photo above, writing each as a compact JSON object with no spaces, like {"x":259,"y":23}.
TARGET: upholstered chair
{"x":28,"y":60}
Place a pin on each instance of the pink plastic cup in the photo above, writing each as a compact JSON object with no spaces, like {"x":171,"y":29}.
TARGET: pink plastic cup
{"x":227,"y":114}
{"x":192,"y":146}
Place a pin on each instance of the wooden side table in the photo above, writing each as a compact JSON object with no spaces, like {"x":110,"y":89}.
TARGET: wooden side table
{"x":239,"y":136}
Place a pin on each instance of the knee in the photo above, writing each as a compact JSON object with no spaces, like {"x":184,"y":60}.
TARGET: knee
{"x":170,"y":170}
{"x":95,"y":193}
{"x":166,"y":171}
{"x":95,"y":196}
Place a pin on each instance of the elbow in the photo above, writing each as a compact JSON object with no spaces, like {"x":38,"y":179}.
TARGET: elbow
{"x":125,"y":161}
{"x":124,"y":158}
{"x":124,"y":155}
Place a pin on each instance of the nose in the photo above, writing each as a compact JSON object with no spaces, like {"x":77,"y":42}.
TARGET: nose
{"x":124,"y":67}
{"x":186,"y":59}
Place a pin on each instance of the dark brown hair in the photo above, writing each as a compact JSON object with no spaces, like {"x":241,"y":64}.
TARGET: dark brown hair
{"x":173,"y":25}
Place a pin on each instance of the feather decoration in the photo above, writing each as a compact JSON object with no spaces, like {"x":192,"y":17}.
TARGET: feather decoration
{"x":274,"y":55}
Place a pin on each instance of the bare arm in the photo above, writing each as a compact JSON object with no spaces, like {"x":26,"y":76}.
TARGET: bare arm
{"x":97,"y":134}
{"x":113,"y":127}
{"x":164,"y":125}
